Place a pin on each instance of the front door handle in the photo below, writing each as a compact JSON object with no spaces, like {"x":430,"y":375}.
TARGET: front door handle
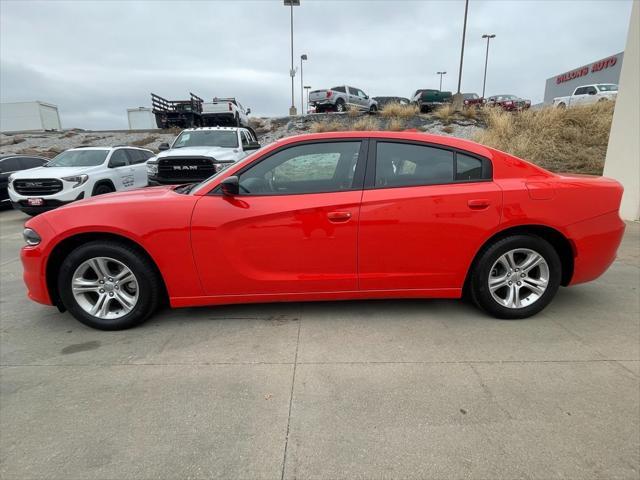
{"x":478,"y":204}
{"x":339,"y":217}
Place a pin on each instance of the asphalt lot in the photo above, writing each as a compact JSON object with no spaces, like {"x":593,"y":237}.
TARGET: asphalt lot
{"x":385,"y":389}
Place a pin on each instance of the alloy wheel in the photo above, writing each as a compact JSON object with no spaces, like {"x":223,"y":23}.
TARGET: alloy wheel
{"x":519,"y":278}
{"x":105,"y":288}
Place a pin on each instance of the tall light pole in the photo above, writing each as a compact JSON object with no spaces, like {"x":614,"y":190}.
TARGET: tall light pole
{"x":292,"y":72}
{"x":441,"y":74}
{"x":307,"y":88}
{"x":302,"y":111}
{"x":486,"y":59}
{"x":457,"y":98}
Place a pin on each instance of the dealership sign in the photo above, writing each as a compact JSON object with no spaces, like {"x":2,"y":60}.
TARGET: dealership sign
{"x":581,"y":72}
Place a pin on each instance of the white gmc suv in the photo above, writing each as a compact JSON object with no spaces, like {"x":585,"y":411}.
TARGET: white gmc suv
{"x":78,"y":173}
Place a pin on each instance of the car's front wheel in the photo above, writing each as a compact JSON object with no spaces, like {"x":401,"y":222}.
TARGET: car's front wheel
{"x":516,"y":277}
{"x":109,"y":285}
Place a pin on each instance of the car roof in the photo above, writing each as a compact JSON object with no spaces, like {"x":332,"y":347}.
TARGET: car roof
{"x":197,"y":129}
{"x":445,"y":141}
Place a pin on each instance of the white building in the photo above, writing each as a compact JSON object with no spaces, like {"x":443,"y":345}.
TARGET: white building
{"x":29,"y":117}
{"x":141,"y":118}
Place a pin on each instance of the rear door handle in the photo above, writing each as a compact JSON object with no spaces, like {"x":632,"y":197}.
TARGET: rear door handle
{"x":478,"y":204}
{"x":339,"y":217}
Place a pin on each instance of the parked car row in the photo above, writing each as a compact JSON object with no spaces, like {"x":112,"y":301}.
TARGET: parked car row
{"x":78,"y":173}
{"x":196,"y":154}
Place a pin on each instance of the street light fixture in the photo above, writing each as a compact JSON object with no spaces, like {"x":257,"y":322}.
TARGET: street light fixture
{"x":292,"y":72}
{"x":303,"y":57}
{"x":441,"y":74}
{"x":486,"y":59}
{"x":307,"y":88}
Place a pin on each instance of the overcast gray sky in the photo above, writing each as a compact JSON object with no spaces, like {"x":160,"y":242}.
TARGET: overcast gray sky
{"x":95,"y":59}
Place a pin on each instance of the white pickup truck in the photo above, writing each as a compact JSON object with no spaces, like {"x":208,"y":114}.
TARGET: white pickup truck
{"x":225,"y":112}
{"x":587,"y":94}
{"x":338,"y":99}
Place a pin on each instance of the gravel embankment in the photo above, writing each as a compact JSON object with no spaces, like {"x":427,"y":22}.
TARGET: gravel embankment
{"x":49,"y":144}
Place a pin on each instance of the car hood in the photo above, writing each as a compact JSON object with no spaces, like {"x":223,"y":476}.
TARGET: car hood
{"x":215,"y":152}
{"x":53,"y":172}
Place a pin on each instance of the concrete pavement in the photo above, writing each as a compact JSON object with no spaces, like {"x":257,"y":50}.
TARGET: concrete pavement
{"x":379,"y":389}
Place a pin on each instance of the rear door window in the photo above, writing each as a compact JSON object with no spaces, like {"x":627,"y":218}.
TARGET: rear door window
{"x":405,"y":165}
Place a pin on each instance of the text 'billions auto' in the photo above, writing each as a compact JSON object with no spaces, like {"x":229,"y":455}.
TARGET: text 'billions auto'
{"x":346,"y":215}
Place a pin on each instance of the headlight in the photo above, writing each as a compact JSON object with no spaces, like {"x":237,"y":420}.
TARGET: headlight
{"x":10,"y":182}
{"x":77,"y":179}
{"x":31,"y":237}
{"x":152,"y":169}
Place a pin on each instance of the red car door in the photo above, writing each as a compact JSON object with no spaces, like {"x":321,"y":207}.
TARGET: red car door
{"x":293,"y":227}
{"x":424,"y":216}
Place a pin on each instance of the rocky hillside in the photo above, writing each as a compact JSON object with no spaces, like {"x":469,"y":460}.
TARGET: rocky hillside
{"x":49,"y":144}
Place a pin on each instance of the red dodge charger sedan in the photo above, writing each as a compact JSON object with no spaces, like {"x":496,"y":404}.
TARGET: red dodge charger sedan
{"x":348,"y":215}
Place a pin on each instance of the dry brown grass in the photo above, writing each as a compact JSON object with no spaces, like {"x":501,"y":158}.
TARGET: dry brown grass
{"x":445,"y":114}
{"x":365,"y":123}
{"x":397,"y":110}
{"x":326,"y":126}
{"x":144,"y":141}
{"x":470,"y":113}
{"x":396,"y":124}
{"x":561,"y":140}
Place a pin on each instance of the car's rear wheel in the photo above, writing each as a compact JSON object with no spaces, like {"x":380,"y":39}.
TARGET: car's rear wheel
{"x":516,"y":277}
{"x":108,"y":285}
{"x":340,"y":106}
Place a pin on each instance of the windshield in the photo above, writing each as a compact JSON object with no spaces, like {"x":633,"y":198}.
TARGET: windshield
{"x":249,"y":158}
{"x":608,"y":87}
{"x":207,"y":138}
{"x":508,"y":97}
{"x":470,"y":96}
{"x":79,"y":158}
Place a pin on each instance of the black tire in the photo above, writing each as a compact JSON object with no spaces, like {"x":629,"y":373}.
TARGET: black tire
{"x":150,"y":287}
{"x":340,"y":106}
{"x":562,"y":105}
{"x":479,"y":281}
{"x":102,"y":188}
{"x":373,"y":109}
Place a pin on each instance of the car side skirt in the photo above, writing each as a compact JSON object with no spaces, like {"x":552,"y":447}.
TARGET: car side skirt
{"x":177,"y":302}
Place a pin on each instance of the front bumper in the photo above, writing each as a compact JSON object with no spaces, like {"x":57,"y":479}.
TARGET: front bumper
{"x":48,"y":204}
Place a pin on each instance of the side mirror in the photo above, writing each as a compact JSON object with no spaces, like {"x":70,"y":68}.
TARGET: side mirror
{"x":230,"y":186}
{"x":248,"y":111}
{"x":117,"y":163}
{"x":252,"y":146}
{"x":163,"y":146}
